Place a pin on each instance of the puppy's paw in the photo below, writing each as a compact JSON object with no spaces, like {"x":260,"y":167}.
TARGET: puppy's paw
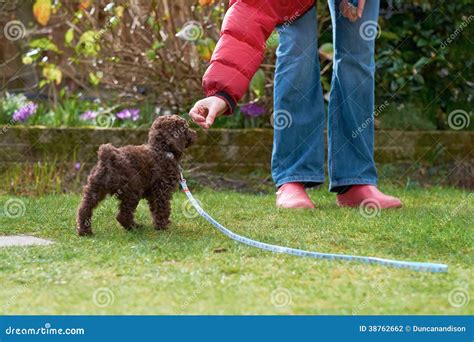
{"x":133,"y":226}
{"x":137,"y":226}
{"x":84,"y":232}
{"x":162,"y":225}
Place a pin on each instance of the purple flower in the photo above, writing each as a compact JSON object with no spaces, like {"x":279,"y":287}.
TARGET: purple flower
{"x":25,"y":112}
{"x":133,"y":114}
{"x":253,"y":110}
{"x":89,"y":115}
{"x":77,"y":166}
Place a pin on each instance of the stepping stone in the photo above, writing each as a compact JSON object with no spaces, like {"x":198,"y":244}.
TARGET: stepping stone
{"x":23,"y":240}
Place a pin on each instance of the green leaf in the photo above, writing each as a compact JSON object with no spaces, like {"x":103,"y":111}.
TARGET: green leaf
{"x":69,"y":36}
{"x":151,"y":55}
{"x":44,"y":44}
{"x":157,"y":45}
{"x":273,"y":40}
{"x":393,"y":85}
{"x":327,"y":51}
{"x":27,"y":60}
{"x":52,"y":73}
{"x":421,"y":63}
{"x":95,"y":79}
{"x":257,"y":85}
{"x":42,"y":83}
{"x":422,"y":42}
{"x":205,"y":47}
{"x":389,"y":35}
{"x":88,"y":44}
{"x":419,"y":79}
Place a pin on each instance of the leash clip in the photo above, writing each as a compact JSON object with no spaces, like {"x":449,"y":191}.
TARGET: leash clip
{"x":181,"y":177}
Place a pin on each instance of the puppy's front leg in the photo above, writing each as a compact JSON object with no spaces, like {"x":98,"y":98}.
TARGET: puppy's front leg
{"x":160,"y":208}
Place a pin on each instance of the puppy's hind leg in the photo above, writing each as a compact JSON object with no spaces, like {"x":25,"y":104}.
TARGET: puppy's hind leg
{"x":128,"y":205}
{"x":91,"y":198}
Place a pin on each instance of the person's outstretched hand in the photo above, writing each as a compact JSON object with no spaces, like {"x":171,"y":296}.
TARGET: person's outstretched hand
{"x":351,"y":12}
{"x":206,"y":110}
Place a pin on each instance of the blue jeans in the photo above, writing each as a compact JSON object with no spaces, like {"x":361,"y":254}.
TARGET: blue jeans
{"x":299,"y":113}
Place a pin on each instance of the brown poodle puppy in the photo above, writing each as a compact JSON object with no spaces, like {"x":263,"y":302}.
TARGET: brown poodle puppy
{"x":130,"y":173}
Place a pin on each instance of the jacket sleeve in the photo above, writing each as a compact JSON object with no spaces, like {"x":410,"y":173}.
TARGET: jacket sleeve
{"x":240,"y":49}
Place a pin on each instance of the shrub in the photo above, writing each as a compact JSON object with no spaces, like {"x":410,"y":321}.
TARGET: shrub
{"x":153,"y":54}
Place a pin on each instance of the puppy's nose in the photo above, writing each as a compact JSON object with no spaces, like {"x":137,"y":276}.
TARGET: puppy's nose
{"x":192,"y":136}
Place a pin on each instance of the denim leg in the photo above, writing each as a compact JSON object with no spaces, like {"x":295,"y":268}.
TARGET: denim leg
{"x":299,"y":117}
{"x":351,"y":101}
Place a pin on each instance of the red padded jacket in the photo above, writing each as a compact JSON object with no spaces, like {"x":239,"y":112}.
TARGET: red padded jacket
{"x":240,"y":49}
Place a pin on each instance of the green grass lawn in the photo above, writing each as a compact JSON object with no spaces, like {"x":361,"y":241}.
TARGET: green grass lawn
{"x":192,"y":268}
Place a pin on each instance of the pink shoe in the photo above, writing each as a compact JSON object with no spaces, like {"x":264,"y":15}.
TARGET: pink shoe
{"x":367,"y":195}
{"x":293,"y":195}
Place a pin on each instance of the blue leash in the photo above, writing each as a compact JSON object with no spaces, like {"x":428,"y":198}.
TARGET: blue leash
{"x":416,"y":266}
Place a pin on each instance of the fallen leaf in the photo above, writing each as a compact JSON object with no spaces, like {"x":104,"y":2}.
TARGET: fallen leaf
{"x":42,"y":11}
{"x":220,"y":250}
{"x":206,"y":2}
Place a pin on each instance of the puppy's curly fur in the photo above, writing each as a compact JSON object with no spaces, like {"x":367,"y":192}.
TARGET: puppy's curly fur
{"x":130,"y":173}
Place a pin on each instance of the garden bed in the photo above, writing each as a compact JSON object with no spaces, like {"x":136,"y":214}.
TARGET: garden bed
{"x":220,"y":150}
{"x":38,"y":160}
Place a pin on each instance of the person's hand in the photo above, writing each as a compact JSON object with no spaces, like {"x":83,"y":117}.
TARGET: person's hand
{"x":350,"y":11}
{"x":206,"y":110}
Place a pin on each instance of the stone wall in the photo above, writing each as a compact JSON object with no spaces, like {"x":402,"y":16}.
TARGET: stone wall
{"x":220,"y":150}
